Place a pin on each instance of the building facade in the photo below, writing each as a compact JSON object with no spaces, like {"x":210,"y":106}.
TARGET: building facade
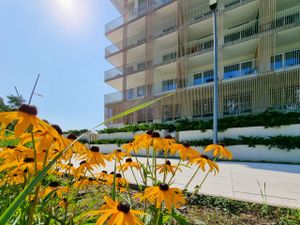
{"x":165,"y":46}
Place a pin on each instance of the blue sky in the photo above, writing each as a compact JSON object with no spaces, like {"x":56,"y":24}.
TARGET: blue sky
{"x":64,"y":41}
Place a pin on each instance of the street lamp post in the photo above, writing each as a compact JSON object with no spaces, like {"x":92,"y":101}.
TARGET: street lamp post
{"x":213,"y":6}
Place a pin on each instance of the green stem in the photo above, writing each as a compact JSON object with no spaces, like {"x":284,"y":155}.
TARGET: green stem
{"x":113,"y":193}
{"x":173,"y":175}
{"x":185,"y":189}
{"x":34,"y":150}
{"x":134,"y":176}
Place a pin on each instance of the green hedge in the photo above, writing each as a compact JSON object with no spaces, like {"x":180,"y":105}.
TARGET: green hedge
{"x":266,"y":119}
{"x":281,"y":142}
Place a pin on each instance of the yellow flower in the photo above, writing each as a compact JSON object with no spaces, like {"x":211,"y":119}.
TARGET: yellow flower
{"x":143,"y":140}
{"x":25,"y":117}
{"x":172,"y":197}
{"x":116,"y":155}
{"x":94,"y":156}
{"x":15,"y":177}
{"x":167,"y":167}
{"x":129,"y":163}
{"x":54,"y":186}
{"x":84,"y":182}
{"x":219,"y":150}
{"x":117,"y":213}
{"x":185,"y":151}
{"x":131,"y":146}
{"x":83,"y":168}
{"x":202,"y":161}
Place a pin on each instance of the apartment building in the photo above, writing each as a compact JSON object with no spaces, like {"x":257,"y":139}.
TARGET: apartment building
{"x":166,"y":46}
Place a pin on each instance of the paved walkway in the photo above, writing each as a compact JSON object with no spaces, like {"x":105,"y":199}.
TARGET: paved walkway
{"x":239,"y":180}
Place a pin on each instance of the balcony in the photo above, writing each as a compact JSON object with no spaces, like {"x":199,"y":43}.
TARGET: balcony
{"x":241,"y":69}
{"x":134,"y":14}
{"x":199,"y":14}
{"x":165,"y":86}
{"x":113,"y":73}
{"x":113,"y":97}
{"x":165,"y":57}
{"x":200,"y":46}
{"x":241,"y":33}
{"x":165,"y":28}
{"x":285,"y":60}
{"x":284,"y":20}
{"x":134,"y":93}
{"x":231,"y":4}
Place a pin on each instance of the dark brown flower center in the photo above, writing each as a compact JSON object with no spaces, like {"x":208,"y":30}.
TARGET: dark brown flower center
{"x":11,"y":146}
{"x":72,"y":136}
{"x":25,"y":170}
{"x":95,"y":149}
{"x":112,"y":172}
{"x":118,"y":175}
{"x":57,"y":128}
{"x":187,"y":145}
{"x":82,"y":162}
{"x":168,"y":163}
{"x":28,"y":160}
{"x":54,"y":184}
{"x":204,"y":156}
{"x":30,"y":109}
{"x":91,"y":179}
{"x":104,"y":171}
{"x":70,"y":164}
{"x":149,"y":132}
{"x":155,"y":135}
{"x":15,"y":175}
{"x":118,"y":150}
{"x":124,"y":207}
{"x":222,"y":144}
{"x":164,"y":187}
{"x":168,"y":137}
{"x":128,"y":160}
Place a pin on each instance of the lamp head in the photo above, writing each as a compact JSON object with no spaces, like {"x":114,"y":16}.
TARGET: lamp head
{"x":213,"y":4}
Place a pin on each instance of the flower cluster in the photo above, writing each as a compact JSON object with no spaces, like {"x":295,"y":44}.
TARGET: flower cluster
{"x":77,"y":170}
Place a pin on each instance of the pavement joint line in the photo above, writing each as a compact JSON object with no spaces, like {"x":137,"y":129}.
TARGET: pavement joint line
{"x":273,"y":196}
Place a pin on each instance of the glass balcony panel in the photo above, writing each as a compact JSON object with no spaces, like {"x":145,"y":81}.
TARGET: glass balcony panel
{"x":292,"y":58}
{"x":208,"y":76}
{"x":200,"y":46}
{"x":198,"y":79}
{"x":113,"y":97}
{"x":165,"y":57}
{"x":199,"y":14}
{"x":113,"y":73}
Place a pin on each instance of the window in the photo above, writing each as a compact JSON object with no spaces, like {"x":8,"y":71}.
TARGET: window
{"x":168,"y":85}
{"x":130,"y":94}
{"x":198,"y":79}
{"x":247,"y":68}
{"x":292,"y":58}
{"x":203,"y":108}
{"x":278,"y":63}
{"x":208,"y":76}
{"x":169,"y":57}
{"x":231,"y":71}
{"x":141,"y":91}
{"x":167,"y":112}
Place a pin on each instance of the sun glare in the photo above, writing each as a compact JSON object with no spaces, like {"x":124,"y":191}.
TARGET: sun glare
{"x":66,"y":4}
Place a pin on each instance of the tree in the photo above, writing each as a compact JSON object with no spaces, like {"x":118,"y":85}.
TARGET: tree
{"x":14,"y":102}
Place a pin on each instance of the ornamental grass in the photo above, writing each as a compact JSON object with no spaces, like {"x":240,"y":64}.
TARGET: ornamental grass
{"x":46,"y":176}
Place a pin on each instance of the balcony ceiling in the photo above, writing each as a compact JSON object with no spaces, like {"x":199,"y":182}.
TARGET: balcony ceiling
{"x":288,"y":37}
{"x":116,"y":83}
{"x":166,"y":13}
{"x":165,"y":42}
{"x":136,"y":80}
{"x":201,"y":29}
{"x":285,"y":4}
{"x":241,"y":49}
{"x":200,"y":60}
{"x":244,"y":14}
{"x":166,"y":69}
{"x":137,"y":26}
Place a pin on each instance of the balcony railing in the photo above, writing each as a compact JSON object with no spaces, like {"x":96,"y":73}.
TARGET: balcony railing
{"x":241,"y":69}
{"x":230,"y":4}
{"x":135,"y":67}
{"x":131,"y":42}
{"x":241,"y":33}
{"x":133,"y":14}
{"x":113,"y":73}
{"x":286,"y":19}
{"x":113,"y":97}
{"x":165,"y":28}
{"x":200,"y":46}
{"x":165,"y":57}
{"x":199,"y":14}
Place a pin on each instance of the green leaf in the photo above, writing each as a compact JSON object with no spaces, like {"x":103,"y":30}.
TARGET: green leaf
{"x":181,"y":220}
{"x":29,"y":188}
{"x":166,"y":218}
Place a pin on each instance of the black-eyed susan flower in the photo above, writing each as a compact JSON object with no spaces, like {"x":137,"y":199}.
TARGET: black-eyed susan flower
{"x":94,"y":156}
{"x":83,"y":168}
{"x":15,"y":177}
{"x":55,"y":187}
{"x":85,"y":182}
{"x":131,"y":146}
{"x":185,"y":151}
{"x":117,"y":213}
{"x":167,"y":167}
{"x":25,"y":117}
{"x":219,"y":150}
{"x":143,"y":140}
{"x":116,"y":155}
{"x":129,"y":164}
{"x":157,"y":195}
{"x":204,"y":160}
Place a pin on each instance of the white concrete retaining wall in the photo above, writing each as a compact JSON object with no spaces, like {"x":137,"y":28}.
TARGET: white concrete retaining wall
{"x":127,"y":135}
{"x":290,"y":130}
{"x":241,"y":153}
